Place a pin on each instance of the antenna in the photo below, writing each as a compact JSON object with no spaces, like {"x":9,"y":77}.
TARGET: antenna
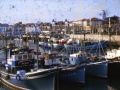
{"x":109,"y":23}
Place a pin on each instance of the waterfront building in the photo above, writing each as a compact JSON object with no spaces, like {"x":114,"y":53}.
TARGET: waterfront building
{"x":17,"y":28}
{"x":87,"y":25}
{"x":3,"y":27}
{"x":32,"y":28}
{"x":46,"y":26}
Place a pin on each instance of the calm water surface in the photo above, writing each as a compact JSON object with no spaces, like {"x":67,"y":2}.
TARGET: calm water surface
{"x":91,"y":84}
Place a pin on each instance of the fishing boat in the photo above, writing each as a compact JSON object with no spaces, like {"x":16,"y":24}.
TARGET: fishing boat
{"x":22,"y":66}
{"x":55,"y":43}
{"x":97,"y":66}
{"x":113,"y":55}
{"x":85,"y":44}
{"x":51,"y":43}
{"x":73,"y":70}
{"x":94,"y":65}
{"x":72,"y":44}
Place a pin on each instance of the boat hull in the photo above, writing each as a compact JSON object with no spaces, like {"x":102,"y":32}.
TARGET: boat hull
{"x":102,"y":44}
{"x":33,"y":78}
{"x":71,"y":47}
{"x":75,"y":75}
{"x":58,"y":46}
{"x":44,"y":44}
{"x":113,"y":69}
{"x":45,"y":83}
{"x":97,"y":69}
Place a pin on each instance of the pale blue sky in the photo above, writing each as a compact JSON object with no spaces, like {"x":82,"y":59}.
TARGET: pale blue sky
{"x":13,"y":11}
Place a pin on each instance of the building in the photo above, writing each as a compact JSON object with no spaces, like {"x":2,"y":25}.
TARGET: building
{"x":3,"y":27}
{"x":32,"y":28}
{"x":87,"y":24}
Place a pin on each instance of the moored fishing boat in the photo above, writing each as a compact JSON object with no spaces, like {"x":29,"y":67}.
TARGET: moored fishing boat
{"x":94,"y":65}
{"x":70,"y":45}
{"x":113,"y":55}
{"x":56,"y":44}
{"x":22,"y":68}
{"x":85,"y":44}
{"x":74,"y":71}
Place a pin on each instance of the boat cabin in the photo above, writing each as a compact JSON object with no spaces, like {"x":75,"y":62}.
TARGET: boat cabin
{"x":77,"y":58}
{"x":51,"y":59}
{"x":20,"y":60}
{"x":113,"y":54}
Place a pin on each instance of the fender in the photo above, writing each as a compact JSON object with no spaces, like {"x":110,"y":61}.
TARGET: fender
{"x":18,"y":77}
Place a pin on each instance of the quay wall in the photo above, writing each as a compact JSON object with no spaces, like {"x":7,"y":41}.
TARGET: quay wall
{"x":115,"y":39}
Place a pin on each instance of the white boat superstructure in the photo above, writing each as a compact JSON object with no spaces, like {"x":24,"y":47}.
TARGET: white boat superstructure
{"x":17,"y":65}
{"x":112,"y":54}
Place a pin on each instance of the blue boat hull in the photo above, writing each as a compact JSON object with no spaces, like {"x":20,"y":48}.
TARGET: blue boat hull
{"x":58,"y":46}
{"x":97,"y":69}
{"x":76,"y":75}
{"x":95,"y":45}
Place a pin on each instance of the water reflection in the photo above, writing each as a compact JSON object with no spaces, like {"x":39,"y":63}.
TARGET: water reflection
{"x":92,"y":84}
{"x":96,"y":84}
{"x":114,"y":84}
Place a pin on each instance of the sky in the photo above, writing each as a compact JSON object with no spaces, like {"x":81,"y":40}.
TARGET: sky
{"x":31,"y":11}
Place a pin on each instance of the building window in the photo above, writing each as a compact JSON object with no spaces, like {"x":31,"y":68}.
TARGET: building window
{"x":88,"y":23}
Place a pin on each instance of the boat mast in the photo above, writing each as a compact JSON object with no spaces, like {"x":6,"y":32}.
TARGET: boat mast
{"x":99,"y":41}
{"x":84,"y":36}
{"x":5,"y":36}
{"x":109,"y":33}
{"x":37,"y":45}
{"x":73,"y":37}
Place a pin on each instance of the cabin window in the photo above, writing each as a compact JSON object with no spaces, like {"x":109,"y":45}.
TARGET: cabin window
{"x":30,"y":56}
{"x":24,"y":56}
{"x":72,"y":59}
{"x":19,"y":57}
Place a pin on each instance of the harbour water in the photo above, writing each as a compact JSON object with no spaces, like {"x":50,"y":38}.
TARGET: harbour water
{"x":90,"y":84}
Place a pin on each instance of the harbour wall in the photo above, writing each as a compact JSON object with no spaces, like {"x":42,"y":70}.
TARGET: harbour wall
{"x":115,"y":39}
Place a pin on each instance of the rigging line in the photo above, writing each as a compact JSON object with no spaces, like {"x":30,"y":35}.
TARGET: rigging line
{"x":115,"y":40}
{"x":97,"y":49}
{"x":103,"y":50}
{"x":91,"y":48}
